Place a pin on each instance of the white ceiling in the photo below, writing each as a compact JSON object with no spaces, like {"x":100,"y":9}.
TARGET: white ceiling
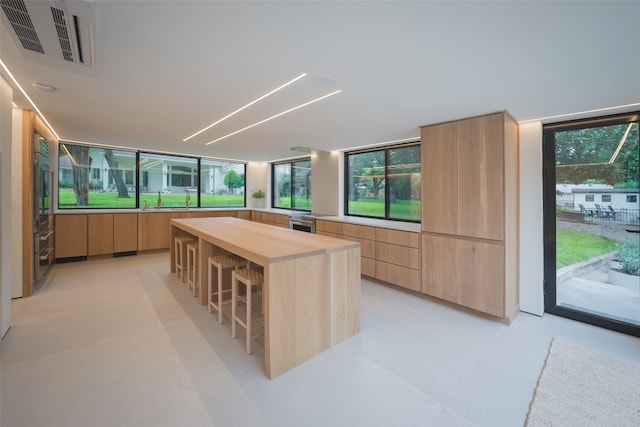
{"x":165,"y":69}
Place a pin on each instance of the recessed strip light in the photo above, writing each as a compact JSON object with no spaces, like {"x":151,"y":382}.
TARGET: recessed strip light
{"x":248,"y":105}
{"x":275,"y":116}
{"x":29,"y":99}
{"x":579,"y":113}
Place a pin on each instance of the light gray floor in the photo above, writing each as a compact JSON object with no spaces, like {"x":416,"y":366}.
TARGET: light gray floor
{"x":118,"y":342}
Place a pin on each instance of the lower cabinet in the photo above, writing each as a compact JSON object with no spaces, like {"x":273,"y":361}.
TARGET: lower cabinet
{"x":153,"y":230}
{"x":100,"y":234}
{"x":125,"y":232}
{"x":392,"y":256}
{"x":71,"y":236}
{"x":467,"y":272}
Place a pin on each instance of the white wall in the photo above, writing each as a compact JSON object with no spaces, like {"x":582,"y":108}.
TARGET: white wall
{"x":324,"y":182}
{"x":6,"y":97}
{"x":16,"y":201}
{"x":531,"y":221}
{"x":258,"y":177}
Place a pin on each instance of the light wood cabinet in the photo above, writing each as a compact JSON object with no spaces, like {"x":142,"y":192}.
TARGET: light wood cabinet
{"x":153,"y":230}
{"x":100,"y":234}
{"x":280,"y":220}
{"x":470,"y":213}
{"x":125,"y":232}
{"x":392,"y":256}
{"x":71,"y":236}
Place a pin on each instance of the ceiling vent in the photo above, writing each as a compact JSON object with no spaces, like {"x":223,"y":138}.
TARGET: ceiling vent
{"x":16,"y":12}
{"x":57,"y":29}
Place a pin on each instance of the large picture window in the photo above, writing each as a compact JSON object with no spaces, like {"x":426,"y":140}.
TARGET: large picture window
{"x":95,"y":177}
{"x":221,"y":184}
{"x":168,"y":181}
{"x":292,"y":185}
{"x":384,"y":183}
{"x":91,"y":177}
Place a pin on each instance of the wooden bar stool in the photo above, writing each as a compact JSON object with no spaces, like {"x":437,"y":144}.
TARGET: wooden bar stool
{"x":251,"y":278}
{"x":221,"y":262}
{"x":192,"y":267}
{"x":180,"y":247}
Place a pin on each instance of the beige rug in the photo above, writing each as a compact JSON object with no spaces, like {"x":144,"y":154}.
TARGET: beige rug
{"x":579,"y":387}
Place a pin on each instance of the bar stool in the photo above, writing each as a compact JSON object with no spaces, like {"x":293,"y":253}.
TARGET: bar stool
{"x":251,"y":278}
{"x":221,"y":262}
{"x":192,"y":267}
{"x":180,"y":244}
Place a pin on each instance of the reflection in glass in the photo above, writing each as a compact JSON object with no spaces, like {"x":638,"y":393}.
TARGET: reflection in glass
{"x":385,"y":183}
{"x":292,"y":185}
{"x":95,"y":177}
{"x":221,"y":184}
{"x":168,"y":181}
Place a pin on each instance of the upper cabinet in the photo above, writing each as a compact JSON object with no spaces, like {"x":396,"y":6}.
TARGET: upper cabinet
{"x":466,"y":164}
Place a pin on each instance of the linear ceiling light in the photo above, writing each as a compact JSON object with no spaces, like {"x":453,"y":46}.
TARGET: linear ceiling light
{"x":248,"y":105}
{"x":621,"y":143}
{"x":275,"y":116}
{"x":29,"y":99}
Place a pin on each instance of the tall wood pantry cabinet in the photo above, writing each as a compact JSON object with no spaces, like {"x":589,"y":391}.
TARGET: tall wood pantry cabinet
{"x":470,"y":229}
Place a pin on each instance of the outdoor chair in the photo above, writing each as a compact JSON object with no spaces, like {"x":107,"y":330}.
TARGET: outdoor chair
{"x":612,"y":212}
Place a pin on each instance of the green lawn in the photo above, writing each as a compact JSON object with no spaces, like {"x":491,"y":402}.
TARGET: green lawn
{"x":400,"y":209}
{"x":67,"y":200}
{"x":573,"y":246}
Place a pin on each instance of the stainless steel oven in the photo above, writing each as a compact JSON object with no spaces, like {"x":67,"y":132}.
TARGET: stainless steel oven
{"x":302,"y":222}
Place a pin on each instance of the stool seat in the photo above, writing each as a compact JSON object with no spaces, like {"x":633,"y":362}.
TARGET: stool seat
{"x":221,"y":262}
{"x":251,"y":278}
{"x":180,"y":247}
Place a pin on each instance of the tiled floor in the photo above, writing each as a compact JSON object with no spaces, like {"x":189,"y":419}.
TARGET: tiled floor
{"x":118,"y":342}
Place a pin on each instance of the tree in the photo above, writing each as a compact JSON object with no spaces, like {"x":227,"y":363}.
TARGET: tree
{"x":233,"y":180}
{"x":116,"y":173}
{"x":80,"y":166}
{"x":367,"y":169}
{"x":584,"y":154}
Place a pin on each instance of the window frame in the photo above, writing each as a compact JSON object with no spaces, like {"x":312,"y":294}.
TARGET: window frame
{"x":274,"y":183}
{"x":387,"y":199}
{"x":135,"y":178}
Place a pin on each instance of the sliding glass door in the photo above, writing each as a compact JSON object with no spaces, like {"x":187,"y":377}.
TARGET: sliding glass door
{"x":592,"y":214}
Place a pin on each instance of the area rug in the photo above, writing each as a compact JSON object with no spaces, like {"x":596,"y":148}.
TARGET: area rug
{"x":579,"y":387}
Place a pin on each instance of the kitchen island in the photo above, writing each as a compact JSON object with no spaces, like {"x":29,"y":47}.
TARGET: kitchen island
{"x":311,"y":290}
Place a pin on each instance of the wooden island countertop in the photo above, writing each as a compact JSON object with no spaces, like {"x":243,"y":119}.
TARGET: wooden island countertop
{"x":311,"y":290}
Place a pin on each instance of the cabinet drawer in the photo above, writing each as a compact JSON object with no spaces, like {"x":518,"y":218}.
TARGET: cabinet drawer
{"x":367,"y":247}
{"x":397,"y":237}
{"x":398,"y":255}
{"x":329,"y":226}
{"x":397,"y":275}
{"x":281,"y":220}
{"x":368,"y":266}
{"x":359,"y":231}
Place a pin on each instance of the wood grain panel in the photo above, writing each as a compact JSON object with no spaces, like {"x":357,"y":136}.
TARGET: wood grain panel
{"x":345,"y":294}
{"x":244,"y":215}
{"x":481,"y":177}
{"x":71,"y":235}
{"x":440,"y":178}
{"x":440,"y":267}
{"x":362,"y":231}
{"x":100,"y":234}
{"x":329,"y":226}
{"x":125,"y":232}
{"x":480,"y":276}
{"x":398,"y":255}
{"x":397,"y":237}
{"x":368,"y":266}
{"x":153,"y":230}
{"x":401,"y":276}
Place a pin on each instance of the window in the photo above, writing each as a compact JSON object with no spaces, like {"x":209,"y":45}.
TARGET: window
{"x":384,"y":183}
{"x":606,"y":198}
{"x":94,"y":177}
{"x":632,"y":198}
{"x":221,"y":184}
{"x":167,"y":181}
{"x":98,"y":177}
{"x":292,"y":185}
{"x":589,"y":198}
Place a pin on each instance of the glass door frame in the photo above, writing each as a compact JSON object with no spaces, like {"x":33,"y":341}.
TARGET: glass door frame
{"x":549,"y":221}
